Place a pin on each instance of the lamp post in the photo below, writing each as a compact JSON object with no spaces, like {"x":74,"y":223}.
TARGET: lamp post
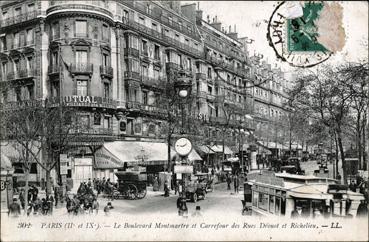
{"x":182,"y":87}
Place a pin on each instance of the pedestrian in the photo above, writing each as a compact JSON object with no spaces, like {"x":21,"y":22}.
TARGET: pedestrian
{"x":56,"y":194}
{"x":95,"y":206}
{"x":107,"y":208}
{"x":89,"y":183}
{"x":155,"y":184}
{"x":236,"y":183}
{"x":179,"y":202}
{"x":14,"y":208}
{"x":51,"y":204}
{"x":166,"y":189}
{"x":297,"y":213}
{"x":197,"y":212}
{"x":45,"y":207}
{"x":229,"y":180}
{"x":22,"y":198}
{"x":176,"y":187}
{"x":352,"y":186}
{"x":317,"y":213}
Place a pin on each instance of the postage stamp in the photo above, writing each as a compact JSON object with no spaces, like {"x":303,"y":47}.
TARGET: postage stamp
{"x":305,"y":34}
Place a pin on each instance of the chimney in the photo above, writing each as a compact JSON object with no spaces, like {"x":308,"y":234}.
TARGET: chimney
{"x":213,"y":20}
{"x":217,"y":25}
{"x":198,"y":5}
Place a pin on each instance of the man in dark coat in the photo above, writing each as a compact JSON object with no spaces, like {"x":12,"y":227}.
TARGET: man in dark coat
{"x":14,"y":208}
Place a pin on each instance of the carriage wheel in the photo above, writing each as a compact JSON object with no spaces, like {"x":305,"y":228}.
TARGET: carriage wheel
{"x":132,"y":191}
{"x":141,"y":194}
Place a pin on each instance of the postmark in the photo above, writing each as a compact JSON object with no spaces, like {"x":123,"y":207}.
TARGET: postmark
{"x":305,"y":34}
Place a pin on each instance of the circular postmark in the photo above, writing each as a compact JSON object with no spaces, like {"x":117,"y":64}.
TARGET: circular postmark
{"x":297,"y":31}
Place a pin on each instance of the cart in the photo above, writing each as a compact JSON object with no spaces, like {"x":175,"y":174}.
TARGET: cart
{"x":131,"y":185}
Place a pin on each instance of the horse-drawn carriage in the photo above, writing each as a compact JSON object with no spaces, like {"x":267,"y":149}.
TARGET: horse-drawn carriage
{"x":131,"y":185}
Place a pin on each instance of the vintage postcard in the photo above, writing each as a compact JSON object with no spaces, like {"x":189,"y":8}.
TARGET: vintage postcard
{"x":126,"y":120}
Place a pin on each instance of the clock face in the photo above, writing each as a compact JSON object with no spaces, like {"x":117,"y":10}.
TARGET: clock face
{"x":183,"y":146}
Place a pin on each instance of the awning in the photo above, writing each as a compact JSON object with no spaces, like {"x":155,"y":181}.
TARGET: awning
{"x":233,"y":159}
{"x":115,"y":154}
{"x":262,"y":148}
{"x":219,"y":149}
{"x":13,"y":151}
{"x":311,"y":192}
{"x":194,"y":156}
{"x":204,"y":149}
{"x":5,"y":163}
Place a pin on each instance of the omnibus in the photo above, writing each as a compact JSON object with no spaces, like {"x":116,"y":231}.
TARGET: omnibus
{"x":279,"y":194}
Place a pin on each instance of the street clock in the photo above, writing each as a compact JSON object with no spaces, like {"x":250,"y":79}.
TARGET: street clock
{"x":183,"y":146}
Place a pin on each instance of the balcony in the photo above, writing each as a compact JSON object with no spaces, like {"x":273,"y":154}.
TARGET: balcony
{"x":201,"y":94}
{"x":152,"y":82}
{"x":19,"y":75}
{"x":106,"y":71}
{"x":82,"y":68}
{"x":172,"y":66}
{"x":145,"y":57}
{"x":133,"y":105}
{"x":21,"y":104}
{"x":52,"y":70}
{"x":210,"y":97}
{"x":131,"y":52}
{"x":92,"y":131}
{"x":157,"y":62}
{"x":57,"y":6}
{"x":20,"y":18}
{"x":200,"y":76}
{"x":132,"y":75}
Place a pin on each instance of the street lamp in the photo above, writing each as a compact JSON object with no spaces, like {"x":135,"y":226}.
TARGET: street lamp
{"x":182,"y":87}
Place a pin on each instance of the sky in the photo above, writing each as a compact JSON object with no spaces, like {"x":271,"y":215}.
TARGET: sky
{"x":251,"y":19}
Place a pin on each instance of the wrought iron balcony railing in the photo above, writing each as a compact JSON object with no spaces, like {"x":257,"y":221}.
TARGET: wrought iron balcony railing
{"x":19,"y":18}
{"x":106,"y":71}
{"x":82,"y":68}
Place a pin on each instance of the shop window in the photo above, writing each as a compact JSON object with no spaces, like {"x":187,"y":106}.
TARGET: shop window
{"x":81,"y":28}
{"x":255,"y":198}
{"x":263,"y":201}
{"x":271,"y":203}
{"x":107,"y":122}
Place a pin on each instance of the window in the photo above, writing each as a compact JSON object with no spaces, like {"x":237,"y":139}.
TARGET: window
{"x":170,"y":20}
{"x":144,"y":48}
{"x":17,"y":65}
{"x":157,"y":52}
{"x":209,"y":72}
{"x":144,"y":71}
{"x":81,"y":87}
{"x":55,"y":89}
{"x":141,"y":20}
{"x":125,"y":15}
{"x":4,"y":68}
{"x":18,"y":94}
{"x":106,"y":90}
{"x":271,"y":203}
{"x":55,"y":30}
{"x":3,"y":43}
{"x":210,"y":89}
{"x":17,"y":11}
{"x":154,"y":26}
{"x":156,"y":74}
{"x":189,"y":64}
{"x":105,"y":32}
{"x":31,"y":7}
{"x":54,"y":59}
{"x":16,"y":39}
{"x":97,"y":118}
{"x":31,"y":92}
{"x":105,"y":60}
{"x":84,"y":121}
{"x":145,"y":97}
{"x":5,"y":15}
{"x":81,"y":57}
{"x":81,"y":28}
{"x":148,"y":8}
{"x":263,"y":201}
{"x":135,"y":66}
{"x":30,"y":64}
{"x":22,"y":39}
{"x":133,"y":42}
{"x":30,"y":36}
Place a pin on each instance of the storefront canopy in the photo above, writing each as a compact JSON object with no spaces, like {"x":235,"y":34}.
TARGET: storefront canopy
{"x":204,"y":149}
{"x":115,"y":154}
{"x":262,"y":148}
{"x":311,"y":191}
{"x":5,"y":163}
{"x":219,"y":149}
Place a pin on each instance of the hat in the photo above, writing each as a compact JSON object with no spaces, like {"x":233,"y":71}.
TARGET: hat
{"x":198,"y":208}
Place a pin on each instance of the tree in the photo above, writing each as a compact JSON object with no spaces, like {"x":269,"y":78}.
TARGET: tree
{"x":41,"y":129}
{"x":325,"y":96}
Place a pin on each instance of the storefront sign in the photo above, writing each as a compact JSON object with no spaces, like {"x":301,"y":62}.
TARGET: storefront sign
{"x":183,"y":169}
{"x":84,"y":101}
{"x":64,"y":164}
